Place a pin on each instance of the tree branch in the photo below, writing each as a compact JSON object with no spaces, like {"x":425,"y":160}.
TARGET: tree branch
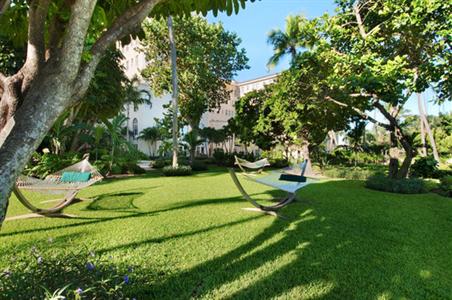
{"x":359,"y":21}
{"x":121,"y":27}
{"x":4,"y":4}
{"x":360,"y":112}
{"x":74,"y":39}
{"x":36,"y":45}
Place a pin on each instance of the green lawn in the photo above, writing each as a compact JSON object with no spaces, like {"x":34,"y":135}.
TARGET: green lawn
{"x":188,"y":237}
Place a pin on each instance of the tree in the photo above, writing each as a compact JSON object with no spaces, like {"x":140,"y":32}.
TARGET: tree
{"x":151,"y":135}
{"x":192,"y":140}
{"x":174,"y":81}
{"x":367,"y":71}
{"x":65,"y":42}
{"x":207,"y":59}
{"x":288,"y":42}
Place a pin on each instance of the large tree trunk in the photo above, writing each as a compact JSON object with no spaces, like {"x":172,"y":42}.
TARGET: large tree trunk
{"x":24,"y":132}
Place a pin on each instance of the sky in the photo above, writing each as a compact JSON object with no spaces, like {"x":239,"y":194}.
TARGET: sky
{"x":254,"y":23}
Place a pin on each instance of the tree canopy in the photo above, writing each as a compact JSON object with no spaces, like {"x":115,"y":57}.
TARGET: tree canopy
{"x":208,"y":57}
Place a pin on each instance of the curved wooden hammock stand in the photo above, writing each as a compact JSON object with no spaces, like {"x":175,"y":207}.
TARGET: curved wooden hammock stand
{"x":62,"y":203}
{"x":271,"y":180}
{"x":53,"y":184}
{"x":268,"y":209}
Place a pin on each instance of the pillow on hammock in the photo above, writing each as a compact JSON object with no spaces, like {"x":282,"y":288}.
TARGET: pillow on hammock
{"x":291,"y":177}
{"x":75,"y":177}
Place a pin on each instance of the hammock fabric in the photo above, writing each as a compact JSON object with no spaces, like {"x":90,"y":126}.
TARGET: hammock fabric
{"x":53,"y":184}
{"x":273,"y":179}
{"x":255,"y":166}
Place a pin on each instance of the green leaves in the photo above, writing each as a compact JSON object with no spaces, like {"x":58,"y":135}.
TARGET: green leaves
{"x":186,"y":7}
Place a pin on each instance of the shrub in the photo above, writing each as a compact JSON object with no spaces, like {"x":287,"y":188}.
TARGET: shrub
{"x":355,"y":173}
{"x":401,"y":186}
{"x":133,"y":168}
{"x":424,"y":167}
{"x":42,"y":165}
{"x":160,"y":163}
{"x":179,"y":171}
{"x":69,"y":275}
{"x":198,"y":165}
{"x":224,"y":159}
{"x":445,"y":186}
{"x":116,"y":169}
{"x":278,"y":163}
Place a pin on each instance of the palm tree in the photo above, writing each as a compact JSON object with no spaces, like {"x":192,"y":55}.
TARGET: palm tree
{"x":150,"y":135}
{"x":175,"y":89}
{"x":285,"y":42}
{"x":192,"y":139}
{"x":115,"y":128}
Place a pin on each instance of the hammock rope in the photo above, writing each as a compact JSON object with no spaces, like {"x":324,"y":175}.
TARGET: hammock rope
{"x":53,"y":184}
{"x":271,"y":180}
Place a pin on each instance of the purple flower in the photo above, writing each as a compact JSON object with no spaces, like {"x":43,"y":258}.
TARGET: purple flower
{"x":79,"y":291}
{"x":39,"y":260}
{"x":126,"y":279}
{"x":90,"y":266}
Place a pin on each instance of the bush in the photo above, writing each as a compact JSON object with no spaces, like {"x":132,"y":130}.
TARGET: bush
{"x":278,"y":163}
{"x":45,"y":164}
{"x":133,"y":168}
{"x":160,"y":163}
{"x":179,"y":171}
{"x":445,"y":186}
{"x":69,"y":275}
{"x":223,"y":159}
{"x":401,"y":186}
{"x":424,"y":167}
{"x":198,"y":165}
{"x":355,"y":173}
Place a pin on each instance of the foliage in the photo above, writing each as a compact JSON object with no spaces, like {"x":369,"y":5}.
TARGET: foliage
{"x":74,"y":275}
{"x":180,"y":170}
{"x":445,"y":186}
{"x":151,"y":135}
{"x":207,"y":59}
{"x":369,"y":55}
{"x":45,"y":164}
{"x":199,"y":165}
{"x":354,"y":173}
{"x":424,"y":167}
{"x":401,"y":186}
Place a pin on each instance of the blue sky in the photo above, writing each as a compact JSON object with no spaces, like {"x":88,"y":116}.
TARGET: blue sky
{"x":253,"y":24}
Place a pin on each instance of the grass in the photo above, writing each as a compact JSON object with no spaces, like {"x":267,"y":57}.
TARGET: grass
{"x":188,"y":238}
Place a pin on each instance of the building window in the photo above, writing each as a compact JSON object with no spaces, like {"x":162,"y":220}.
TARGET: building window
{"x":135,"y":128}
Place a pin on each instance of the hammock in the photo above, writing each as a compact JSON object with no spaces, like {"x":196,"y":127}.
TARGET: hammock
{"x":56,"y":184}
{"x":276,"y":180}
{"x":257,"y":165}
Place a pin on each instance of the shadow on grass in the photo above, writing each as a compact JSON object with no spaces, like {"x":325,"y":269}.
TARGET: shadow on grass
{"x":325,"y":251}
{"x":342,"y":245}
{"x":129,"y":214}
{"x":115,"y":201}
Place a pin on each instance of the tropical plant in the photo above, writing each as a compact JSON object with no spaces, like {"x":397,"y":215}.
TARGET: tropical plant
{"x":150,"y":135}
{"x":65,"y":42}
{"x":193,"y":140}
